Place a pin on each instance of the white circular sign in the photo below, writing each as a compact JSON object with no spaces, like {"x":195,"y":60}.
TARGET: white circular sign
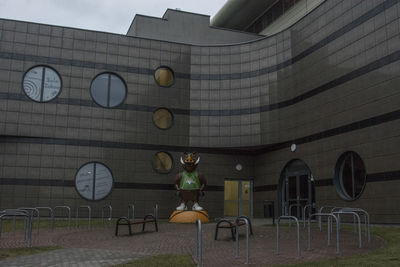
{"x":293,"y":147}
{"x":94,"y":181}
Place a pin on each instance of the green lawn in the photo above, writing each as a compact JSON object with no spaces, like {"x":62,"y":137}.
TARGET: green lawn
{"x":16,"y":252}
{"x":164,"y":260}
{"x":387,"y":256}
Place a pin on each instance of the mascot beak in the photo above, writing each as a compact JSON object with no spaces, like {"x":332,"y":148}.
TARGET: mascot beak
{"x":197,"y":161}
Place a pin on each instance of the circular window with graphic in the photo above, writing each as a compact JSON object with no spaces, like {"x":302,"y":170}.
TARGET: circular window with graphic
{"x":94,"y":181}
{"x":108,"y":90}
{"x":42,"y":83}
{"x":164,"y":76}
{"x":162,"y":162}
{"x":350,"y":176}
{"x":163,"y":118}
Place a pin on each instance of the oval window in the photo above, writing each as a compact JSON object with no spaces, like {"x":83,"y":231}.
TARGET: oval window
{"x":350,"y":176}
{"x":163,"y":118}
{"x":162,"y":162}
{"x":164,"y":76}
{"x":42,"y":84}
{"x":94,"y":181}
{"x":108,"y":90}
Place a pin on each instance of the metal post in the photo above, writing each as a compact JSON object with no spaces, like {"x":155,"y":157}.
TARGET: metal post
{"x":89,"y":215}
{"x":298,"y":233}
{"x":290,"y":211}
{"x":337,"y":229}
{"x":133,"y":212}
{"x":109,"y":213}
{"x":304,"y":213}
{"x":198,"y":251}
{"x":69,"y":213}
{"x":156,"y":211}
{"x":51,"y":215}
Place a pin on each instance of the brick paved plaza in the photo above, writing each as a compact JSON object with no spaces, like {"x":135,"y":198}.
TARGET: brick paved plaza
{"x":99,"y":246}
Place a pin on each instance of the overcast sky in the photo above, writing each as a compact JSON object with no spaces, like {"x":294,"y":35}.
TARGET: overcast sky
{"x":101,"y":15}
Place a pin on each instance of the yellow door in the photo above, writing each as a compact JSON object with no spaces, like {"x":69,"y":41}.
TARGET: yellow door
{"x":238,"y":198}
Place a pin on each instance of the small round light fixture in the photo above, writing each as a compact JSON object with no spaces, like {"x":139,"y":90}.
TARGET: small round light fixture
{"x":293,"y":147}
{"x":239,"y":167}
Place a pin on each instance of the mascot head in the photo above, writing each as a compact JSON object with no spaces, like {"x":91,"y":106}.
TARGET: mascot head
{"x":190,"y":161}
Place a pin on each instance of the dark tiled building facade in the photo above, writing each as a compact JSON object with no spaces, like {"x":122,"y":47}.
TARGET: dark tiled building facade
{"x":328,"y":84}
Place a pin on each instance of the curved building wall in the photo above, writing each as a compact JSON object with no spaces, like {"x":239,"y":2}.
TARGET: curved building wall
{"x":328,"y":84}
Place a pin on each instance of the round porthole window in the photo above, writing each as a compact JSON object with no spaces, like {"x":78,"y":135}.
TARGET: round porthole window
{"x":162,"y":162}
{"x":350,"y":176}
{"x":164,"y":76}
{"x":41,"y":84}
{"x":94,"y":181}
{"x":163,"y":118}
{"x":108,"y":90}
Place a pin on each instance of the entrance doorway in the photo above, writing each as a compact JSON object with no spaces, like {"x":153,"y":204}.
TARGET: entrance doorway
{"x":296,"y":188}
{"x":238,"y":198}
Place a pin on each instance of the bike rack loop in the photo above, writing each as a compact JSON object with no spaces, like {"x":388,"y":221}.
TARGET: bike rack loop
{"x":51,"y":215}
{"x":69,"y":213}
{"x":339,"y":212}
{"x":131,"y":206}
{"x":320,"y":218}
{"x":31,"y":210}
{"x":89,"y":217}
{"x":247,"y":237}
{"x":298,"y":233}
{"x":198,"y":250}
{"x":290,"y":210}
{"x":329,"y":234}
{"x":309,"y":206}
{"x":20,"y":213}
{"x":109,"y":212}
{"x":366,"y":219}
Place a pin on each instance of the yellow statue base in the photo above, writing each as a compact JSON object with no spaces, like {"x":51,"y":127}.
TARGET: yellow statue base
{"x":189,"y":216}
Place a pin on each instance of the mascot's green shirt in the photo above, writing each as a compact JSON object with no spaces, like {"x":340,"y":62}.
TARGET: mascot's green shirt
{"x":189,"y":181}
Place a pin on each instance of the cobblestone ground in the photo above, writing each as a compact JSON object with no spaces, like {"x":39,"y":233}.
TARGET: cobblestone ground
{"x":100,"y":247}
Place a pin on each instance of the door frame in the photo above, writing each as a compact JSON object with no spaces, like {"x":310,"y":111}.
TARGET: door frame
{"x":251,"y":180}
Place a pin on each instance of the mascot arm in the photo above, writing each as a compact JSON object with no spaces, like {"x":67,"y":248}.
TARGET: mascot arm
{"x":203,"y":182}
{"x":178,"y":181}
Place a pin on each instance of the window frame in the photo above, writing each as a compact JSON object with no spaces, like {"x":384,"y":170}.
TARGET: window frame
{"x":166,"y":171}
{"x":109,"y":89}
{"x":173,"y":75}
{"x":42,"y":83}
{"x":338,"y":178}
{"x":112,"y":177}
{"x":172,"y":118}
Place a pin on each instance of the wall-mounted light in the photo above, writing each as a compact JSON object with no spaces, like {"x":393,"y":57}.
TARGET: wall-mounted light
{"x":293,"y":147}
{"x":239,"y":167}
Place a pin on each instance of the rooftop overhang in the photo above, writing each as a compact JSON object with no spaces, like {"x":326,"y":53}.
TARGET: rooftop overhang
{"x":239,"y":14}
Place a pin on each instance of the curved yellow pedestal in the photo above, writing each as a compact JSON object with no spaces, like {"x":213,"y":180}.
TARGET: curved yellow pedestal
{"x":189,"y":216}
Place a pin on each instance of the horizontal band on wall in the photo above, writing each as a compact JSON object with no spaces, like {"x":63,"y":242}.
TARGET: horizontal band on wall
{"x":113,"y":67}
{"x":117,"y":185}
{"x":371,"y":178}
{"x":255,"y":150}
{"x":384,"y":61}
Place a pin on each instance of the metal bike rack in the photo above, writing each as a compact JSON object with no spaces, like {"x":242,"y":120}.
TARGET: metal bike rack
{"x":156,"y":211}
{"x":247,"y":237}
{"x":69,"y":213}
{"x":320,"y":218}
{"x":51,"y":215}
{"x":309,"y":206}
{"x":290,"y":211}
{"x":329,"y":232}
{"x":298,"y":233}
{"x":366,"y":221}
{"x":339,"y":212}
{"x":198,"y":251}
{"x":89,"y":216}
{"x":32,"y":210}
{"x":13,"y":213}
{"x":131,"y":206}
{"x":109,"y":212}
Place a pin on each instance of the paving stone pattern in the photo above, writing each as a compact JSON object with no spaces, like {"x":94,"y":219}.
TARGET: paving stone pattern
{"x":100,"y":247}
